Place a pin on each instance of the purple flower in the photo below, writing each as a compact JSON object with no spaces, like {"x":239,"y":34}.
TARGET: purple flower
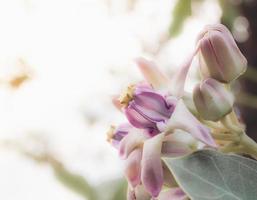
{"x":115,"y":135}
{"x":142,"y":155}
{"x":154,"y":111}
{"x":147,"y":108}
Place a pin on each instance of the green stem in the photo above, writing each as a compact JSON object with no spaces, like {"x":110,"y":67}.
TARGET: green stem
{"x":231,"y":147}
{"x":215,"y":125}
{"x":240,"y":142}
{"x":230,"y":124}
{"x":249,"y":145}
{"x":224,"y":136}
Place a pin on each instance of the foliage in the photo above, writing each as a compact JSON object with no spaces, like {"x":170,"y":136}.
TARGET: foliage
{"x":209,"y":174}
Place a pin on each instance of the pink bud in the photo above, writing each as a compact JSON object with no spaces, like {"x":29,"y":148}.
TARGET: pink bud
{"x":220,"y":58}
{"x":212,"y":99}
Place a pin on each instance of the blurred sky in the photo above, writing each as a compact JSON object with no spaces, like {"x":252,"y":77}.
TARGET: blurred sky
{"x":76,"y":54}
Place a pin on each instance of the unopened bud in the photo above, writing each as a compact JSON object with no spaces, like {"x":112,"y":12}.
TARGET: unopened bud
{"x":220,"y":57}
{"x":212,"y":99}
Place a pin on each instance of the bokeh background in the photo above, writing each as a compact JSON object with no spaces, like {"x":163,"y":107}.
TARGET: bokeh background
{"x":62,"y":60}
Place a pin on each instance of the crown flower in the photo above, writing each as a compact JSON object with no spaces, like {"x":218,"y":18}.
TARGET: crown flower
{"x":163,"y":122}
{"x":154,"y":110}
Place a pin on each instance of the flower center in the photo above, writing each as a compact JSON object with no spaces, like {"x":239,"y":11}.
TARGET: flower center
{"x":127,"y":95}
{"x":110,"y":133}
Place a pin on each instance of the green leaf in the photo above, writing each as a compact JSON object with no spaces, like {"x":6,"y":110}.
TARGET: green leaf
{"x":210,"y":175}
{"x":181,"y":12}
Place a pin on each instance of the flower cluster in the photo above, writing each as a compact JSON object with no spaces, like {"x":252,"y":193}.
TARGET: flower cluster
{"x":156,"y":111}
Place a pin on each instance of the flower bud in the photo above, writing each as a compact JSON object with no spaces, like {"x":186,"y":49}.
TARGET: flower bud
{"x":212,"y":99}
{"x":220,"y":58}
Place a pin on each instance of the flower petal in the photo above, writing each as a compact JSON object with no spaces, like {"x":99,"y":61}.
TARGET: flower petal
{"x":152,"y":173}
{"x":173,"y":194}
{"x":183,"y":119}
{"x":138,"y":193}
{"x":132,"y":140}
{"x":153,"y":101}
{"x":173,"y":148}
{"x":136,"y":119}
{"x":178,"y":80}
{"x":133,"y":167}
{"x":115,"y":135}
{"x":152,"y":74}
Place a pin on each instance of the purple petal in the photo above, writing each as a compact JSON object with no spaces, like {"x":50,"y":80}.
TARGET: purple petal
{"x":178,"y":80}
{"x":148,"y":114}
{"x":152,"y":172}
{"x":153,"y":101}
{"x":133,"y":167}
{"x":152,"y":74}
{"x":172,"y":194}
{"x":134,"y":139}
{"x":184,"y":120}
{"x":119,"y":133}
{"x":138,"y":193}
{"x":137,"y":119}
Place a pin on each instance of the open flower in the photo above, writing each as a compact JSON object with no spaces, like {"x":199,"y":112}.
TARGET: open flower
{"x":158,"y":110}
{"x":142,"y":156}
{"x":147,"y":108}
{"x":154,"y":111}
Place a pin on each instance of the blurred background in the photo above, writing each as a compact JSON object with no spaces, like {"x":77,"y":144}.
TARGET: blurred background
{"x":60,"y":62}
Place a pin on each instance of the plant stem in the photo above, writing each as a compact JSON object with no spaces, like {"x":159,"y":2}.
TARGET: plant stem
{"x":240,"y":142}
{"x":224,"y":136}
{"x":231,"y":122}
{"x":231,"y":147}
{"x":249,"y":145}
